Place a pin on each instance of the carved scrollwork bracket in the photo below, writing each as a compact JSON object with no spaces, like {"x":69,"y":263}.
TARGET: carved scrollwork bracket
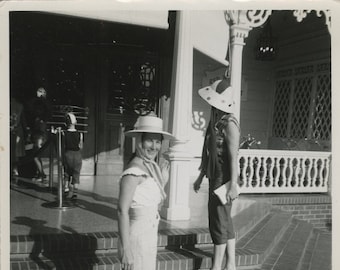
{"x":302,"y":14}
{"x":242,"y":21}
{"x":247,"y":18}
{"x":256,"y":18}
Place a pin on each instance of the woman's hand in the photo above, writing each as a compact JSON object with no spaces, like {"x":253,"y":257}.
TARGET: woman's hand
{"x":127,"y":260}
{"x":232,"y":193}
{"x":197,"y":183}
{"x":165,"y":169}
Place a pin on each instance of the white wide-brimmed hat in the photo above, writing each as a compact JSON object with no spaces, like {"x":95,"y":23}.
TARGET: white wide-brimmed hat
{"x":149,"y":124}
{"x":219,"y":95}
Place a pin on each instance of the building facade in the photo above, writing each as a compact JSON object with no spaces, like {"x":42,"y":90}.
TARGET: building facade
{"x":120,"y":65}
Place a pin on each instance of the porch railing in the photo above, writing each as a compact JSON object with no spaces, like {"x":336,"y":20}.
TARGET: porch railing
{"x":277,"y":171}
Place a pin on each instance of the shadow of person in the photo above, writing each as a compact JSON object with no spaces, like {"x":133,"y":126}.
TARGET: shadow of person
{"x":98,"y":197}
{"x":98,"y":208}
{"x":54,"y":248}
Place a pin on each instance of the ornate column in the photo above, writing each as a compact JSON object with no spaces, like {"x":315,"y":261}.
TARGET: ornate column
{"x":176,"y":206}
{"x":241,"y":22}
{"x":237,"y":35}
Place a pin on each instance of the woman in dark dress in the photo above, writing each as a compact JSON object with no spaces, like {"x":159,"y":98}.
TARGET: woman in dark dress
{"x":220,"y":165}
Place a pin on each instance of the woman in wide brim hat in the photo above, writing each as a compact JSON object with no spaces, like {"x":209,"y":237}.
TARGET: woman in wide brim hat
{"x":149,"y":124}
{"x":219,"y":95}
{"x":220,"y":165}
{"x":141,"y":192}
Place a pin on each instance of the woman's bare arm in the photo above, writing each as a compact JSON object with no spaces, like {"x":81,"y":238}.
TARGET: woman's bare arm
{"x":127,"y":189}
{"x":232,"y":138}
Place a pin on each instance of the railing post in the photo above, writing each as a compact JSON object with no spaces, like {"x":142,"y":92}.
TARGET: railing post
{"x":51,"y":167}
{"x":60,"y":170}
{"x":60,"y":204}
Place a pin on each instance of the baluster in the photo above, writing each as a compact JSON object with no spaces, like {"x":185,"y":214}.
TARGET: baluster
{"x":267,"y":170}
{"x":319,"y":168}
{"x":251,"y":170}
{"x":302,"y":171}
{"x":296,"y":172}
{"x":308,"y":176}
{"x":241,"y":170}
{"x":244,"y":172}
{"x":277,"y":176}
{"x":262,"y":172}
{"x":283,"y":173}
{"x":289,"y":175}
{"x":257,"y":172}
{"x":270,"y":174}
{"x":313,"y":172}
{"x":326,"y":178}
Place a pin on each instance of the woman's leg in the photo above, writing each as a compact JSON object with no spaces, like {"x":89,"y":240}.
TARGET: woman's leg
{"x":230,"y":255}
{"x":75,"y":191}
{"x":38,"y":143}
{"x":219,"y":251}
{"x":219,"y":229}
{"x":77,"y":164}
{"x":39,"y":165}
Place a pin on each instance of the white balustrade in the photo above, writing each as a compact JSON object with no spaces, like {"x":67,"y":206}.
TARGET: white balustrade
{"x":278,"y":171}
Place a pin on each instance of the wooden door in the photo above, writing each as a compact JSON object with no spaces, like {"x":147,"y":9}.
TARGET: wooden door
{"x":129,"y":89}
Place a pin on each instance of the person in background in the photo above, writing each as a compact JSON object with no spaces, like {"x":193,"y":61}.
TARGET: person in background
{"x":141,"y":192}
{"x":39,"y":112}
{"x":220,"y":165}
{"x":72,"y":145}
{"x":17,"y":132}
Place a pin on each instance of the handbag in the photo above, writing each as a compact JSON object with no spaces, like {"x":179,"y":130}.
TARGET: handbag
{"x":221,"y":192}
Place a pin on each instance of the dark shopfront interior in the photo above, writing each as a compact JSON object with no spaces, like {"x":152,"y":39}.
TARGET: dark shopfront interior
{"x":115,"y":70}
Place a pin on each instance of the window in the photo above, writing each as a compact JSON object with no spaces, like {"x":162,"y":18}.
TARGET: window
{"x":302,"y":106}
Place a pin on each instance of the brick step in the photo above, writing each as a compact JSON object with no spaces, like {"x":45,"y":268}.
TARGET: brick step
{"x":23,"y":245}
{"x":166,"y":259}
{"x":318,"y":252}
{"x":179,"y":254}
{"x":291,"y":249}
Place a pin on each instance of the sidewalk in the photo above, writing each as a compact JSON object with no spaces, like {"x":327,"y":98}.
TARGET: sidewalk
{"x":95,"y":210}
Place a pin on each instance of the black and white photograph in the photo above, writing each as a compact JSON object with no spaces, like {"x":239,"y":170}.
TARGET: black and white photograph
{"x":186,"y":136}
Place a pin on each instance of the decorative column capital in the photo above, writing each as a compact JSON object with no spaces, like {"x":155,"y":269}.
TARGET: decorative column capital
{"x":247,"y":18}
{"x":242,"y":21}
{"x":238,"y":33}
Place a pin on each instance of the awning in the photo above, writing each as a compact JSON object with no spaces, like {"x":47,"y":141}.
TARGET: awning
{"x":210,"y":34}
{"x":149,"y":18}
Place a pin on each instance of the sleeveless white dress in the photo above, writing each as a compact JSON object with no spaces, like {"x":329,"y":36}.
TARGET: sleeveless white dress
{"x":144,"y":220}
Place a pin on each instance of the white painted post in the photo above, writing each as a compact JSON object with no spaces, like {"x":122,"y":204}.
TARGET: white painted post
{"x":237,"y":35}
{"x":176,"y":206}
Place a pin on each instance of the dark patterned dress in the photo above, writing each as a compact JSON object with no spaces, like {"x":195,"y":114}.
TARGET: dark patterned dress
{"x":220,"y":221}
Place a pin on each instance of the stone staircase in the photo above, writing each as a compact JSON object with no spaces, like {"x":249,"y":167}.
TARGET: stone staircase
{"x":267,"y":238}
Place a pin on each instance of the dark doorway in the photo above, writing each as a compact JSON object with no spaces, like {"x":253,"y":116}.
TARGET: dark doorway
{"x":117,"y":71}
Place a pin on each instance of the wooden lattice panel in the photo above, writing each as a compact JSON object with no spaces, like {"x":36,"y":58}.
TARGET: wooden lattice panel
{"x":283,"y":90}
{"x":301,"y":107}
{"x":322,"y":111}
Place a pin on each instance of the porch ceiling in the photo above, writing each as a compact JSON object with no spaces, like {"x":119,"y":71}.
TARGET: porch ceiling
{"x":39,"y":29}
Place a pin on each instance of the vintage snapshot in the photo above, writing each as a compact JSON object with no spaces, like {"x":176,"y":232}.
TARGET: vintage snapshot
{"x":167,"y":138}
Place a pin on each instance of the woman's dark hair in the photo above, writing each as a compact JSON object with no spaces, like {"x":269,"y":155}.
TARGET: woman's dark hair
{"x":216,"y":115}
{"x":144,"y":134}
